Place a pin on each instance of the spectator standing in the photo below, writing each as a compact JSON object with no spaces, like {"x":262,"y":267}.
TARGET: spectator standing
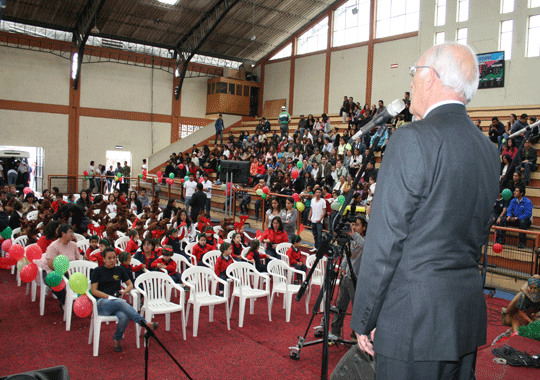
{"x":189,"y":189}
{"x":207,"y":188}
{"x":289,"y":217}
{"x":91,"y":173}
{"x":126,"y":173}
{"x":198,"y":202}
{"x":316,"y":216}
{"x":219,"y":129}
{"x":284,"y":120}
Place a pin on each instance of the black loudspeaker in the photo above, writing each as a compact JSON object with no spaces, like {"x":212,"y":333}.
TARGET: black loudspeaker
{"x":355,"y":364}
{"x":53,"y":373}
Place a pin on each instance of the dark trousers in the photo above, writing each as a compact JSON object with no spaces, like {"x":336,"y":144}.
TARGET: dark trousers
{"x":284,"y":128}
{"x":316,"y":228}
{"x":244,"y":205}
{"x":522,"y":224}
{"x":176,"y":277}
{"x":346,"y":295}
{"x":389,"y":368}
{"x":208,"y":201}
{"x":220,"y":134}
{"x":257,"y":207}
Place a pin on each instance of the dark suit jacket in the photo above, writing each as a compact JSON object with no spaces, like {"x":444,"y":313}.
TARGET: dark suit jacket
{"x":419,"y":283}
{"x":198,"y":203}
{"x":14,"y":220}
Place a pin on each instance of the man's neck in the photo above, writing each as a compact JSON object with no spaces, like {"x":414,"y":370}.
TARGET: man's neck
{"x":519,"y":199}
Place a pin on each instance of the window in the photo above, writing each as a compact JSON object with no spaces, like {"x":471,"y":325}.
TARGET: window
{"x":533,"y":43}
{"x":397,"y":17}
{"x":209,"y":88}
{"x":462,"y":10}
{"x":439,"y":38}
{"x":246,"y":90}
{"x":74,"y":65}
{"x":505,"y":40}
{"x":314,"y":39}
{"x":232,"y":88}
{"x":185,"y":130}
{"x":534,"y":3}
{"x":462,"y":36}
{"x":214,"y":88}
{"x":351,"y":22}
{"x":440,"y":13}
{"x":283,"y":53}
{"x":239,"y":89}
{"x":507,"y":6}
{"x":221,"y":88}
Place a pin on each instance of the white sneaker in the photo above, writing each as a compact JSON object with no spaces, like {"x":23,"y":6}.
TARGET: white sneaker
{"x":332,"y":337}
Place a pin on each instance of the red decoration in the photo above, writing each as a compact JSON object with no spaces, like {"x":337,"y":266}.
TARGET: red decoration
{"x":201,"y":179}
{"x":296,"y":197}
{"x":497,"y":248}
{"x":6,"y":245}
{"x":85,"y":173}
{"x":182,"y":180}
{"x":266,"y":190}
{"x":156,"y":234}
{"x":258,"y":234}
{"x":239,"y":225}
{"x":10,"y":260}
{"x":295,"y":173}
{"x":181,"y":166}
{"x":301,"y":228}
{"x":16,"y":252}
{"x":159,"y":174}
{"x":82,"y":307}
{"x":29,"y":272}
{"x":96,"y":230}
{"x":33,"y":252}
{"x":59,"y":287}
{"x":169,"y":181}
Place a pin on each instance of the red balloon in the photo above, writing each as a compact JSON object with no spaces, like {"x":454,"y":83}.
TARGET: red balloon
{"x":159,"y":174}
{"x":61,"y":286}
{"x":82,"y":307}
{"x":266,"y":190}
{"x":144,"y":172}
{"x":181,"y":166}
{"x":29,"y":272}
{"x":33,"y":252}
{"x":181,"y":180}
{"x":10,"y":260}
{"x":497,"y":248}
{"x":85,"y":173}
{"x":295,"y":174}
{"x":16,"y":251}
{"x":201,"y":179}
{"x":296,"y":197}
{"x":6,"y":245}
{"x":170,"y":181}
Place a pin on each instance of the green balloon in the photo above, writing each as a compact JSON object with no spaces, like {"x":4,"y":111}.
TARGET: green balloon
{"x":335,"y":206}
{"x":6,"y":234}
{"x":219,"y":168}
{"x":86,"y":178}
{"x":259,"y":192}
{"x":264,"y":196}
{"x":341,"y":199}
{"x":299,"y":164}
{"x":186,"y":178}
{"x":223,"y":186}
{"x":140,"y":176}
{"x":171,"y":175}
{"x":53,"y":279}
{"x":61,"y":264}
{"x":78,"y":283}
{"x":506,"y":194}
{"x":119,"y":175}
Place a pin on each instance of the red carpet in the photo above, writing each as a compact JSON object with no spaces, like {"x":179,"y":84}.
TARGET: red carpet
{"x":258,"y":350}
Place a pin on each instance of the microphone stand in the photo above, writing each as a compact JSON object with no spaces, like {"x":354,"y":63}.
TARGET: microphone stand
{"x":151,"y":334}
{"x":327,"y":249}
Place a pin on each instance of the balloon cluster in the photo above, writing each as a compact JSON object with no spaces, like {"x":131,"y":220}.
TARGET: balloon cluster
{"x":28,"y":270}
{"x":85,"y":173}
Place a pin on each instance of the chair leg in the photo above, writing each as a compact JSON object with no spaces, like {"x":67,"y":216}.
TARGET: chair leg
{"x":252,"y":306}
{"x":42,"y":295}
{"x":211,"y":313}
{"x":270,"y":306}
{"x":288,"y":296}
{"x":168,"y":321}
{"x":184,"y":323}
{"x":187,"y":312}
{"x":228,"y":314}
{"x":196,"y":310}
{"x":91,"y":330}
{"x":242,"y":303}
{"x":34,"y":290}
{"x":68,"y":307}
{"x":97,"y":330}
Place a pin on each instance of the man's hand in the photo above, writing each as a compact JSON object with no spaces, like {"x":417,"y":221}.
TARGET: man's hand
{"x":365,"y":344}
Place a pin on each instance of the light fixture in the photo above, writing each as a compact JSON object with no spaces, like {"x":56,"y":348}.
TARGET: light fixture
{"x":118,"y":147}
{"x":355,"y":11}
{"x":253,"y":37}
{"x":170,"y":2}
{"x":95,"y":29}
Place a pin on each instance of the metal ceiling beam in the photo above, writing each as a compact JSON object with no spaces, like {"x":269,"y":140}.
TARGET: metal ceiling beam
{"x":81,"y":31}
{"x":192,"y":41}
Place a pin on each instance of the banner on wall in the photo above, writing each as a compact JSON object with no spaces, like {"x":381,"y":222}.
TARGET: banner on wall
{"x":491,"y":67}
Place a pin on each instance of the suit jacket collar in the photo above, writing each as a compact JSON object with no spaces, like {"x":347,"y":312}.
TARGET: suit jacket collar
{"x":447,"y":107}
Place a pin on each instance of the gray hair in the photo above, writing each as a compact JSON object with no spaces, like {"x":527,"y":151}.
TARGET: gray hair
{"x":457,"y":66}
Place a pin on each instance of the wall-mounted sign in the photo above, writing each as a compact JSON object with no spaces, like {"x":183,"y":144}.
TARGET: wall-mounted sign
{"x":491,"y":67}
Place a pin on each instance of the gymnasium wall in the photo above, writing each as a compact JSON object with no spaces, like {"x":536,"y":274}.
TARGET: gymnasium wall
{"x":308,"y":94}
{"x":194,"y":93}
{"x":348,"y":70}
{"x":277,"y":81}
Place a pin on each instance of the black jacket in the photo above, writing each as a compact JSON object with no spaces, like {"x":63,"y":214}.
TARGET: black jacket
{"x":198,"y":203}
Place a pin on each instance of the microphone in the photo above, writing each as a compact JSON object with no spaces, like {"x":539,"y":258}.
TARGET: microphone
{"x":522,"y":130}
{"x":391,"y":110}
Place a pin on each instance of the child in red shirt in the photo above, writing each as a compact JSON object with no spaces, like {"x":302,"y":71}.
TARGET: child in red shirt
{"x":166,"y":262}
{"x":132,"y":245}
{"x":223,"y":262}
{"x":295,"y":256}
{"x":201,"y":248}
{"x":254,"y":257}
{"x":125,"y":262}
{"x":210,"y":240}
{"x":94,"y":241}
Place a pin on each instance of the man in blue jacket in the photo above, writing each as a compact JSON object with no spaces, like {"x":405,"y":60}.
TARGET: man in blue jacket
{"x":219,"y":129}
{"x":519,"y":214}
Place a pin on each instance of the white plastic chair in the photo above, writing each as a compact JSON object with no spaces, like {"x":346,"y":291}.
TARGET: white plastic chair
{"x":121,"y":243}
{"x":189,"y":252}
{"x":318,"y":275}
{"x":160,"y":216}
{"x":245,"y":278}
{"x":217,"y":229}
{"x":281,"y":250}
{"x":283,"y":276}
{"x":209,"y":258}
{"x":155,"y":288}
{"x":75,"y":266}
{"x":15,"y":232}
{"x":32,"y":215}
{"x":83,"y":245}
{"x":202,"y":283}
{"x":120,"y":234}
{"x":95,"y":325}
{"x":79,"y":237}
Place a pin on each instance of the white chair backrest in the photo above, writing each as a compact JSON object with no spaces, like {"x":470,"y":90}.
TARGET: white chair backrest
{"x":279,"y":271}
{"x":83,"y":245}
{"x":97,"y":211}
{"x":40,"y":226}
{"x":139,"y":216}
{"x":217,"y":229}
{"x":135,"y":262}
{"x":32,"y":215}
{"x":209,"y":258}
{"x":82,"y":266}
{"x":160,"y":216}
{"x":22,"y":240}
{"x":79,"y":237}
{"x":241,"y":273}
{"x":319,"y":271}
{"x":181,"y":262}
{"x":121,"y":243}
{"x":112,"y":215}
{"x":230,"y":234}
{"x":120,"y":234}
{"x":282,"y":248}
{"x":155,"y":285}
{"x":189,"y":248}
{"x":15,"y":232}
{"x":200,"y":278}
{"x":129,"y":223}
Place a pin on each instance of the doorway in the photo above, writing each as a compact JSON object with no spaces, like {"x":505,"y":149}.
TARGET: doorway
{"x":33,"y":156}
{"x":112,"y":157}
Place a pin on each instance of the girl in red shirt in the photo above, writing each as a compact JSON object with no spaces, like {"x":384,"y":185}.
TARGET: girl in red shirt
{"x":166,"y":262}
{"x":201,"y":248}
{"x":132,"y":245}
{"x":254,"y":257}
{"x":273,"y":236}
{"x":295,"y":256}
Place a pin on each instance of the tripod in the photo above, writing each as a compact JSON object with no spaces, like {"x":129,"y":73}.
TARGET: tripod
{"x":150,"y":334}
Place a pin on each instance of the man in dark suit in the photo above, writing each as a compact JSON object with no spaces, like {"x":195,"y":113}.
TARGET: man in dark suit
{"x":198,"y":202}
{"x":419,"y":293}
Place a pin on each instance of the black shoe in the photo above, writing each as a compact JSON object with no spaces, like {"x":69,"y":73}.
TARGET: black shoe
{"x":118,"y":348}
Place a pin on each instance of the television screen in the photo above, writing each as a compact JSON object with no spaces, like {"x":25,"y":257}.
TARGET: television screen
{"x":238,"y":169}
